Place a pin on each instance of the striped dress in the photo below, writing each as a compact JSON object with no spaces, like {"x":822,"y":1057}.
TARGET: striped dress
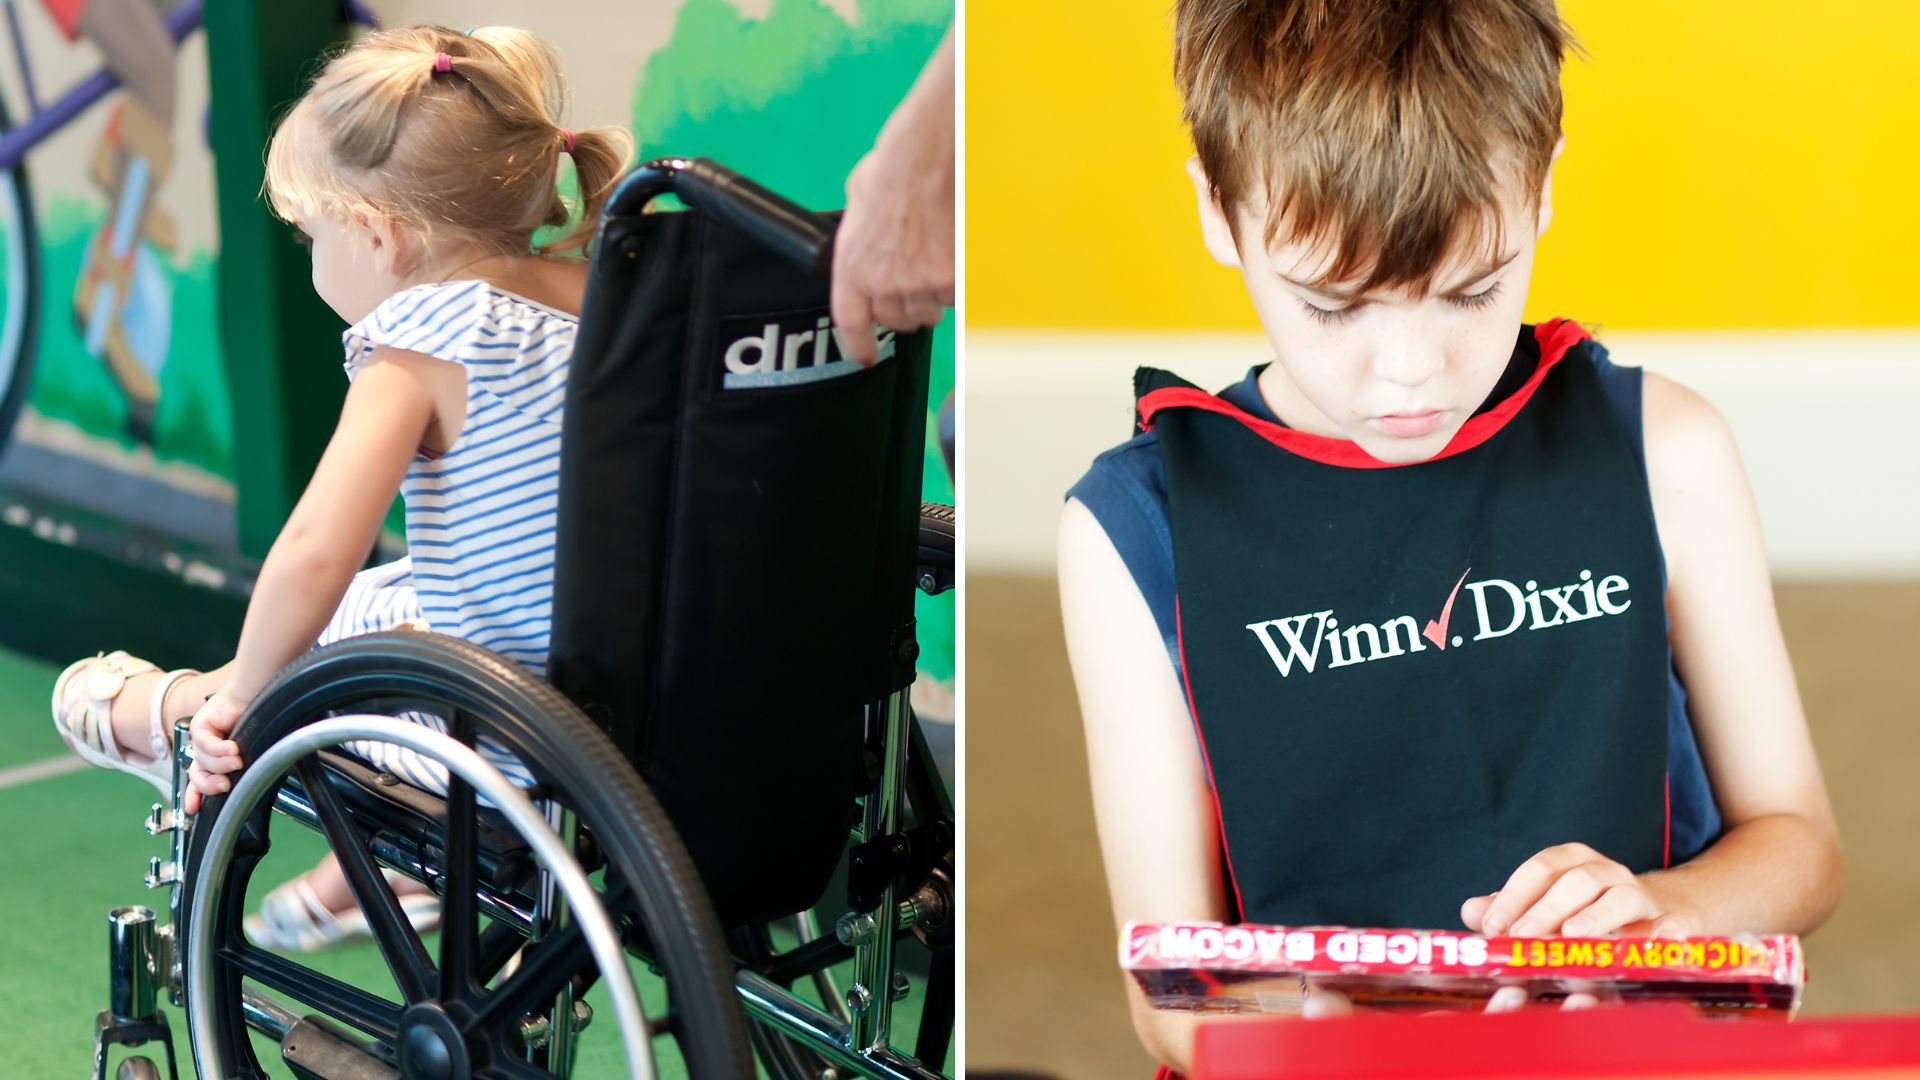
{"x":480,"y":517}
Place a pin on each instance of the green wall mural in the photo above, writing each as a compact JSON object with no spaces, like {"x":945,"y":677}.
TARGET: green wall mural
{"x":791,"y":94}
{"x":193,"y":424}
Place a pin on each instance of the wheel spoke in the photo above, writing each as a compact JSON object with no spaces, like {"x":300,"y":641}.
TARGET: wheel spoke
{"x":459,"y":924}
{"x":370,"y":1013}
{"x":498,"y":942}
{"x":544,"y":968}
{"x":399,"y":944}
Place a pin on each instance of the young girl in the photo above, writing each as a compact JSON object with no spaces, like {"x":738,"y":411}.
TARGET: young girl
{"x":1437,"y":619}
{"x":418,"y":166}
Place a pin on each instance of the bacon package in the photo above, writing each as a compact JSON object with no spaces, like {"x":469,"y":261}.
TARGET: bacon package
{"x":1211,"y":967}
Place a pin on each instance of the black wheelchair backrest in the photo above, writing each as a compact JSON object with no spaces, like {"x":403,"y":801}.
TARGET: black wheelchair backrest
{"x":739,"y":509}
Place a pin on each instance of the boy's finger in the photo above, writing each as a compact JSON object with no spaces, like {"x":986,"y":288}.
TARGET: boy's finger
{"x":1617,"y":907}
{"x":1576,"y":1002}
{"x":1322,"y":1004}
{"x":1507,"y":999}
{"x":1524,"y":889}
{"x":1474,"y":912}
{"x":1672,"y":926}
{"x":1573,"y":891}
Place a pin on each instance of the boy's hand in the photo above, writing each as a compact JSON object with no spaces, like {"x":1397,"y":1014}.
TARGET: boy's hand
{"x":1323,"y":1004}
{"x":214,"y":754}
{"x":1575,"y":891}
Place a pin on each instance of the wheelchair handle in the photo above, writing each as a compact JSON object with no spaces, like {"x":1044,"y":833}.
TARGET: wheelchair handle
{"x":787,"y":228}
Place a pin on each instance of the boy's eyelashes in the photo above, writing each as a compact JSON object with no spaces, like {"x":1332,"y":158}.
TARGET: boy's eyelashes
{"x":1330,"y":316}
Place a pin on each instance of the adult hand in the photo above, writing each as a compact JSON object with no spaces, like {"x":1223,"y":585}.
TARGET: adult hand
{"x":893,"y":253}
{"x":1575,"y":891}
{"x":214,"y":754}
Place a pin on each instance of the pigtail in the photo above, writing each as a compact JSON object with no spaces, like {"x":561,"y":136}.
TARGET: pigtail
{"x":600,"y":158}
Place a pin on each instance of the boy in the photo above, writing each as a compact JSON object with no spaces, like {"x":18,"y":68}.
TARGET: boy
{"x":1437,"y":618}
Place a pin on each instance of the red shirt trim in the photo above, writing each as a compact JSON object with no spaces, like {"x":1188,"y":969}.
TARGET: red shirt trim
{"x":1555,"y":338}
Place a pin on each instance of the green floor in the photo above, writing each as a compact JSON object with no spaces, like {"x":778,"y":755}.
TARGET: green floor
{"x":72,"y":847}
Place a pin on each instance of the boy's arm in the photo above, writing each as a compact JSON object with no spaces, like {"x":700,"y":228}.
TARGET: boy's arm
{"x":1155,"y":814}
{"x":1777,"y":867}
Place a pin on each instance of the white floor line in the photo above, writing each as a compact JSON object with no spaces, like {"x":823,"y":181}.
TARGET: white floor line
{"x":40,"y":770}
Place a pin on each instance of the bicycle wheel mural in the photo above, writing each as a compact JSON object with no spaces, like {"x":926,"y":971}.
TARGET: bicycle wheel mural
{"x":114,"y":398}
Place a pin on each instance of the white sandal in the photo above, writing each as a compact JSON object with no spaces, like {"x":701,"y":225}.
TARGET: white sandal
{"x":83,"y":714}
{"x":292,"y":918}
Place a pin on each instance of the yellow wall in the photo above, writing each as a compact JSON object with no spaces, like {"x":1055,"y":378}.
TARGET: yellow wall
{"x":1728,"y":164}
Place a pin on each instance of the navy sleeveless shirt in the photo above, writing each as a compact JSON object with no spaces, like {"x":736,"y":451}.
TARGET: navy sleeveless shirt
{"x":1127,"y":490}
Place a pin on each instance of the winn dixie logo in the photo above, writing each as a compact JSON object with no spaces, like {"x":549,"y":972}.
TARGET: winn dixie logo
{"x":764,"y":351}
{"x":1317,"y":639}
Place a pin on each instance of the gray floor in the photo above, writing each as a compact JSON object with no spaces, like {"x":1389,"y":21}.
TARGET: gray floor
{"x":1042,"y":989}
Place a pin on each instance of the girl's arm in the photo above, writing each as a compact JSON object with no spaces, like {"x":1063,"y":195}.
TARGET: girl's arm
{"x":332,"y":529}
{"x":1777,"y":867}
{"x":325,"y":541}
{"x":1155,"y":814}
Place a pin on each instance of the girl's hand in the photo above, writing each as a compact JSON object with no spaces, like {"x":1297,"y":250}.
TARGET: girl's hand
{"x":214,"y":754}
{"x":1575,"y":891}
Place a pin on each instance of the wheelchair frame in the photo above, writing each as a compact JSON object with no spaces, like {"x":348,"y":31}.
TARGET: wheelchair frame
{"x":850,"y":1036}
{"x":144,"y":958}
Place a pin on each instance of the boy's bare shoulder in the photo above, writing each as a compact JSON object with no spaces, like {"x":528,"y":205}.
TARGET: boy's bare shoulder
{"x":1688,"y":442}
{"x":1694,"y":476}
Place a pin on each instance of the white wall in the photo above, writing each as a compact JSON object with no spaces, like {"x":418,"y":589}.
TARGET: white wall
{"x":1829,"y":424}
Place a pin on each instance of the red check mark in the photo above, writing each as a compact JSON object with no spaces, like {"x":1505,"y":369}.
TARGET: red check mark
{"x":1436,"y":631}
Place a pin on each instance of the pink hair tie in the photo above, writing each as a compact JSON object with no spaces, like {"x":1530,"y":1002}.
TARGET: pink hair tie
{"x":567,"y":145}
{"x":442,"y":63}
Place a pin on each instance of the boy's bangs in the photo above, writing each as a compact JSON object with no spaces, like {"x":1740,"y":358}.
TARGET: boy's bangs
{"x":1399,"y":226}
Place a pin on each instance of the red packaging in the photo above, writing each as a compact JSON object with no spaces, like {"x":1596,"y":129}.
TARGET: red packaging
{"x":1212,"y":967}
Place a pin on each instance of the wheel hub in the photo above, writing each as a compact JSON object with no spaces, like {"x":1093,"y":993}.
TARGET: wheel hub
{"x":430,"y":1045}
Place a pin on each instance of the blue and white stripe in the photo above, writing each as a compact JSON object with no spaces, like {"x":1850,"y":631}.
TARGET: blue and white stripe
{"x":480,"y":518}
{"x":380,"y":599}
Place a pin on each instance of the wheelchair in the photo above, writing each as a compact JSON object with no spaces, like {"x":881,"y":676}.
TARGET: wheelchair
{"x":725,"y":727}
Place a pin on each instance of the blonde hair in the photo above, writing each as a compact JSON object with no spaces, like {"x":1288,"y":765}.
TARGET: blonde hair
{"x":471,"y":153}
{"x":1381,"y":127}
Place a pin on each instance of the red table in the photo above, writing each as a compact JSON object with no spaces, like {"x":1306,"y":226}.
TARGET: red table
{"x":1642,"y":1042}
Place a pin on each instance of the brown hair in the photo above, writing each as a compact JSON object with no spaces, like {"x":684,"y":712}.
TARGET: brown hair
{"x":471,"y":153}
{"x":1381,"y":127}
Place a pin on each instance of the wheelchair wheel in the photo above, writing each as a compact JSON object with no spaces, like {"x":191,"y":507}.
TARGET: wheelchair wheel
{"x":649,"y":887}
